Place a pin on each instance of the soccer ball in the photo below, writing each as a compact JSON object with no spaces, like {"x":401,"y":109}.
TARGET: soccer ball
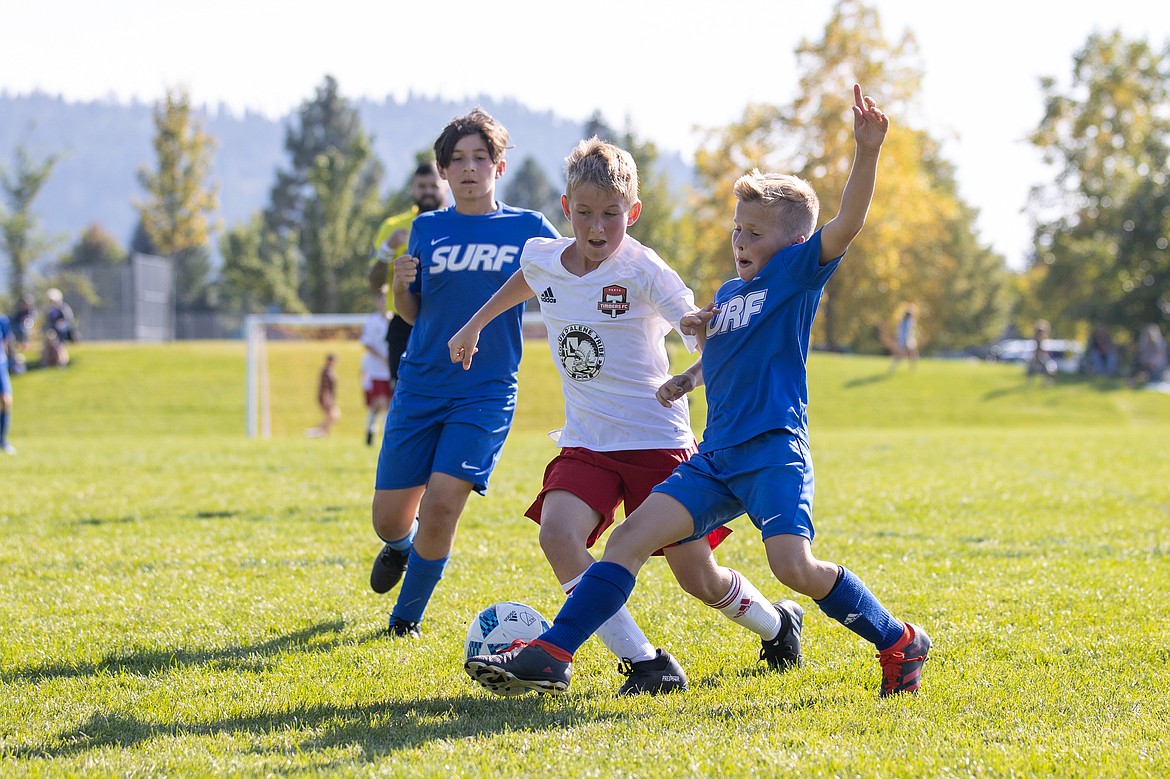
{"x":497,"y":626}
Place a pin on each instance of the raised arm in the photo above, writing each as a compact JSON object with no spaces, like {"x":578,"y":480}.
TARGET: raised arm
{"x":514,"y":292}
{"x":869,"y":131}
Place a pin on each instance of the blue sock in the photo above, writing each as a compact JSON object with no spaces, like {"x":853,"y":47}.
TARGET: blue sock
{"x":404,"y":543}
{"x":604,"y":588}
{"x":422,"y":576}
{"x":3,"y":421}
{"x":852,"y":604}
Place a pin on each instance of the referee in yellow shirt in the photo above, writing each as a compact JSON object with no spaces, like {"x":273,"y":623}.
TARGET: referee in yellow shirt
{"x":429,"y":193}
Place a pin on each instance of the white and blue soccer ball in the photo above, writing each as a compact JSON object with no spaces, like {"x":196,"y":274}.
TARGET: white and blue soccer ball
{"x":496,"y":627}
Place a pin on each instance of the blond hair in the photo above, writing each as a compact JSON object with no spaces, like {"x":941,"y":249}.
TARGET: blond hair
{"x":794,"y":200}
{"x":609,"y":168}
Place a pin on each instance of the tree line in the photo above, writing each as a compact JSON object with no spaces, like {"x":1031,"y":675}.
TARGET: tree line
{"x":1101,"y":223}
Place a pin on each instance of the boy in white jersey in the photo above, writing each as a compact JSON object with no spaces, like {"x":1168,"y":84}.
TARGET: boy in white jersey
{"x":754,"y":458}
{"x":608,"y":303}
{"x":446,"y":427}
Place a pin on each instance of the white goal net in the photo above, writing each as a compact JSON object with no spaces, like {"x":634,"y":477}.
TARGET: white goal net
{"x":256,"y":329}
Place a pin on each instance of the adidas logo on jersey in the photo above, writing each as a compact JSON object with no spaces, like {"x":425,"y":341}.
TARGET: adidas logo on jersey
{"x":547,"y":296}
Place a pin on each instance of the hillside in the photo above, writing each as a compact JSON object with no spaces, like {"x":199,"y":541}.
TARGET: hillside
{"x":102,"y":144}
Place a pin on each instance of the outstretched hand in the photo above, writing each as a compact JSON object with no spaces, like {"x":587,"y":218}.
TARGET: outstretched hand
{"x":695,"y":323}
{"x":869,"y":123}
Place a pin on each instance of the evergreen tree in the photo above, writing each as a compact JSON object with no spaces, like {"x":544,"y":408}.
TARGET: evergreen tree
{"x":329,"y":159}
{"x":94,"y":248}
{"x":529,"y":187}
{"x":252,"y":283}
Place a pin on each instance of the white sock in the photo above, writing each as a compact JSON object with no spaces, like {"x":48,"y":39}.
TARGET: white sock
{"x":620,"y":634}
{"x":371,"y":420}
{"x":746,"y":606}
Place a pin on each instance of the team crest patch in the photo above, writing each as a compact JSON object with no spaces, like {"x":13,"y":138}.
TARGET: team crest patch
{"x":614,"y":301}
{"x":581,"y":352}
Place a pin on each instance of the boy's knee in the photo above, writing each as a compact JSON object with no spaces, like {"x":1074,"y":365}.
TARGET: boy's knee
{"x":556,"y":537}
{"x":795,"y":573}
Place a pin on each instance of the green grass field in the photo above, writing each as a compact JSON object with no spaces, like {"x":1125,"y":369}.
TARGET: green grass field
{"x":180,"y":600}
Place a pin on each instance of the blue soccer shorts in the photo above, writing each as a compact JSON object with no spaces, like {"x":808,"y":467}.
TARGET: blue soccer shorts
{"x":769,"y":477}
{"x":5,"y":379}
{"x":461,"y":437}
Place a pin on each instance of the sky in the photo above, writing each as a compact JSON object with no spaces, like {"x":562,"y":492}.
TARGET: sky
{"x":666,"y":66}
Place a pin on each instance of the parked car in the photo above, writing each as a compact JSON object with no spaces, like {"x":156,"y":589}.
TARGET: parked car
{"x":1066,"y":353}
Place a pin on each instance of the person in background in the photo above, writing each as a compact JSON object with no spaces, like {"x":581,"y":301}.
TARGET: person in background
{"x":59,"y":317}
{"x":24,"y":320}
{"x":1101,"y":357}
{"x":7,"y":342}
{"x":1151,"y":356}
{"x":326,"y":398}
{"x":376,"y":386}
{"x":1041,"y":362}
{"x":907,"y":339}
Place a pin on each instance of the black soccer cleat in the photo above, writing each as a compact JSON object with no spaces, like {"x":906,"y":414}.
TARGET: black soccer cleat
{"x":388,"y":568}
{"x":783,"y":651}
{"x":902,"y":663}
{"x":522,"y":666}
{"x":403,"y":628}
{"x":661,"y":674}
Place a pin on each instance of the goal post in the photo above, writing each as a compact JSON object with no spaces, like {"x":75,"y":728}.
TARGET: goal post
{"x":256,"y":328}
{"x":259,"y":415}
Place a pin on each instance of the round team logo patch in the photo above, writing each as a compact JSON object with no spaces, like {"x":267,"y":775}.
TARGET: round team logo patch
{"x":581,"y":351}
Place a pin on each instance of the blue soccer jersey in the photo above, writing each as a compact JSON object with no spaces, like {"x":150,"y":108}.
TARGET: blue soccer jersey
{"x":754,"y":362}
{"x":5,"y":334}
{"x":463,"y":260}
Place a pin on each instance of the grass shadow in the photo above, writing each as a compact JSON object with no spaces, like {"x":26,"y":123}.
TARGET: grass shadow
{"x":862,"y":381}
{"x":377,"y":729}
{"x":144,"y":662}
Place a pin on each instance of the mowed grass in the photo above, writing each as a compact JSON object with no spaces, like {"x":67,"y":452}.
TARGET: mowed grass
{"x":180,"y":600}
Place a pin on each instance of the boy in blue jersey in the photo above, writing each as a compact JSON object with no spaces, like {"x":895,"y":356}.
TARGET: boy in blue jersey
{"x":754,"y":457}
{"x":7,"y":341}
{"x":446,"y":426}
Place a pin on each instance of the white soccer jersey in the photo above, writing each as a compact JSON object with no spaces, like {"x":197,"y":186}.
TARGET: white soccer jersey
{"x":374,"y":336}
{"x":605,"y":332}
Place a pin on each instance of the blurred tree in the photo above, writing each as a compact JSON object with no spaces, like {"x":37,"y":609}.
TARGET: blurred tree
{"x":251,"y":283}
{"x":597,"y":126}
{"x":1103,"y":223}
{"x":919,"y":244}
{"x":20,"y":236}
{"x":529,"y":187}
{"x":179,"y":203}
{"x":94,"y":248}
{"x":140,"y":241}
{"x":330,"y":157}
{"x":659,"y":226}
{"x":340,"y":222}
